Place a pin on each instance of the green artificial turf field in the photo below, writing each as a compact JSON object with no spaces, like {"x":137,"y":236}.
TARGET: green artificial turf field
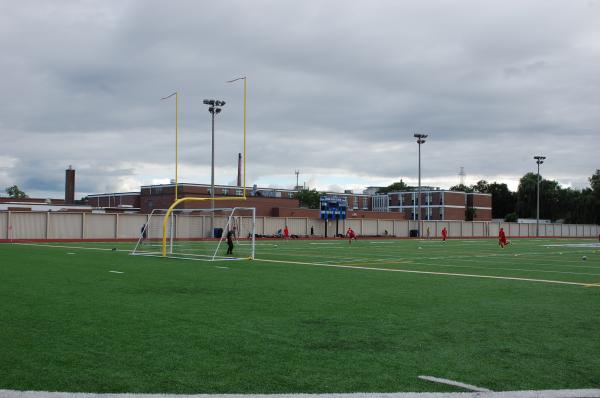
{"x":305,"y":316}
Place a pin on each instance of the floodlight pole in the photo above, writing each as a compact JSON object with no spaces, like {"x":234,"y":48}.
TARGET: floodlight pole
{"x":297,"y":172}
{"x":420,"y":140}
{"x":176,"y":94}
{"x":539,"y":160}
{"x":214,"y":107}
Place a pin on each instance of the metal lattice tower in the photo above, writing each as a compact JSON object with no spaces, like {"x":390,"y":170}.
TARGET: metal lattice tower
{"x":461,"y":176}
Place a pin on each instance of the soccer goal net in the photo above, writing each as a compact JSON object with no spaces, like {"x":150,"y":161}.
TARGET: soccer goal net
{"x":200,"y":234}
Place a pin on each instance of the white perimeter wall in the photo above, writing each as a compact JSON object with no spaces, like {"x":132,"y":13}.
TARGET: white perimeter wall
{"x":55,"y":225}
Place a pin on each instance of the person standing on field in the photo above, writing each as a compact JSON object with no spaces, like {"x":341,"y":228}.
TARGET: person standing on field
{"x":230,"y":235}
{"x":144,"y":233}
{"x":502,"y":238}
{"x":286,"y":233}
{"x":350,"y":234}
{"x":444,"y":234}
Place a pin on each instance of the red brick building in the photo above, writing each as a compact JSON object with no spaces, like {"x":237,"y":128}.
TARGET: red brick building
{"x":437,"y":204}
{"x":270,"y":202}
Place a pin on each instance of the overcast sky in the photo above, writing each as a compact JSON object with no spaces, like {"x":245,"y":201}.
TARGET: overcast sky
{"x":336,"y":90}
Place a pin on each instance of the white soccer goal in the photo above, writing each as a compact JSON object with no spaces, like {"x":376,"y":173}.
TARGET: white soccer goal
{"x":190,"y":234}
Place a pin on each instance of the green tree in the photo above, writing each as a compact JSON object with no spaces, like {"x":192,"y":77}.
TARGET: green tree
{"x":15,"y":192}
{"x":482,"y":186}
{"x":395,"y":187}
{"x":462,"y":188}
{"x":511,"y":217}
{"x":503,"y":200}
{"x":595,"y":183}
{"x":526,"y":196}
{"x":309,"y":198}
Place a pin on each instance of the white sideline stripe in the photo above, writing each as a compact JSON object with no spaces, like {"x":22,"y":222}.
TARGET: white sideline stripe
{"x":582,"y":393}
{"x":410,"y":271}
{"x":469,"y":387}
{"x":117,"y":272}
{"x":588,"y":245}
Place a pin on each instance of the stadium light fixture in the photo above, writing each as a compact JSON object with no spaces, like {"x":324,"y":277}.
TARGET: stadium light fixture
{"x":420,"y":140}
{"x":176,"y":94}
{"x":214,"y":109}
{"x":539,"y":160}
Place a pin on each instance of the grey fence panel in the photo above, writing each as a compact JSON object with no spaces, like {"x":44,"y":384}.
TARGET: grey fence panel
{"x":318,"y":227}
{"x":467,"y":229}
{"x":28,"y":225}
{"x":479,"y":229}
{"x":130,"y":225}
{"x":572,"y":230}
{"x":512,"y":230}
{"x":100,"y":226}
{"x":65,"y":225}
{"x":190,"y":227}
{"x":297,"y":226}
{"x":494,"y":229}
{"x":369,"y":227}
{"x":455,"y":229}
{"x":432,"y":225}
{"x":4,"y":225}
{"x":273,"y":225}
{"x":384,"y":226}
{"x":43,"y":225}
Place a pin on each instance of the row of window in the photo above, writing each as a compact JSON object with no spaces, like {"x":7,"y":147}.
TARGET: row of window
{"x":412,"y":202}
{"x":365,"y":203}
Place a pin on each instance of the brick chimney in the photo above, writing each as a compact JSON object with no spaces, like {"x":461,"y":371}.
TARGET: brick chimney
{"x":69,"y":185}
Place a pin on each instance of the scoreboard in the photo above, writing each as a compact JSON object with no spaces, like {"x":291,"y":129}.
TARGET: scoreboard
{"x":333,"y":207}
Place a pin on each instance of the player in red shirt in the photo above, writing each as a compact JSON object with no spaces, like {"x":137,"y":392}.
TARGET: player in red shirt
{"x":350,"y":235}
{"x":444,"y":234}
{"x":286,"y":233}
{"x":502,"y":238}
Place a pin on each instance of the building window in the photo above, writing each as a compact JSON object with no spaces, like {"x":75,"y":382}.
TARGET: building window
{"x":355,"y":202}
{"x":238,"y":192}
{"x":365,"y":205}
{"x":225,"y":191}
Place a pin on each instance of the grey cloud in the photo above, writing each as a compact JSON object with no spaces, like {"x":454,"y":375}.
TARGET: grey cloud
{"x":332,"y":86}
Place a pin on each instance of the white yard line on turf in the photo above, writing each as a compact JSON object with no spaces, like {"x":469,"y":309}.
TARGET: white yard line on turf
{"x":71,"y":247}
{"x":583,"y":393}
{"x":410,"y":271}
{"x":469,"y":387}
{"x":117,"y":272}
{"x":506,"y":269}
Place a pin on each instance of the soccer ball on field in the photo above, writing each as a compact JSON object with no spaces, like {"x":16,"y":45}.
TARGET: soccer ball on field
{"x":584,"y":258}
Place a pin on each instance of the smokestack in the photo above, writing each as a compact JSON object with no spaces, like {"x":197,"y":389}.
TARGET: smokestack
{"x":239,"y":179}
{"x":69,"y":185}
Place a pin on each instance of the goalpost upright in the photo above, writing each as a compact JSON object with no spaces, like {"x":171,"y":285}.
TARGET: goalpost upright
{"x":197,"y":199}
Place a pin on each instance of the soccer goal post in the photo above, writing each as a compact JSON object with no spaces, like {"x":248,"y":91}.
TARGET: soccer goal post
{"x":199,"y":234}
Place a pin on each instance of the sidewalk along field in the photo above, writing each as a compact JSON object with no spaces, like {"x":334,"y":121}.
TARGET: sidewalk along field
{"x":305,"y":316}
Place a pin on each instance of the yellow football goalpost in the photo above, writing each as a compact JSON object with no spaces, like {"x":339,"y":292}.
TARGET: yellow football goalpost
{"x":178,"y":201}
